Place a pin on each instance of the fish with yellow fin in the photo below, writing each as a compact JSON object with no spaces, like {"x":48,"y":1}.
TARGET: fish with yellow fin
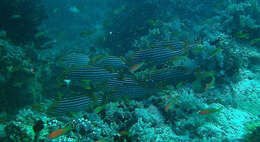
{"x":210,"y":110}
{"x":59,"y":132}
{"x":136,"y":67}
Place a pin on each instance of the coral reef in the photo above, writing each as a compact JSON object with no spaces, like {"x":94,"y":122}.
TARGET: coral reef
{"x":104,"y":75}
{"x":20,"y":76}
{"x":133,"y":121}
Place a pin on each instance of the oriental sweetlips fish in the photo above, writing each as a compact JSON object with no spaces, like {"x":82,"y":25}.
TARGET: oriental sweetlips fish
{"x":136,"y":77}
{"x":96,"y":75}
{"x":156,"y":56}
{"x":111,"y":63}
{"x":74,"y":59}
{"x":160,"y":52}
{"x":129,"y":88}
{"x":74,"y":104}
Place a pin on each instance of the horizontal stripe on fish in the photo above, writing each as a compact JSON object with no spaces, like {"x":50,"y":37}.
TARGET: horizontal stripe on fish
{"x":75,"y":104}
{"x":71,"y":101}
{"x":74,"y":59}
{"x":173,"y":44}
{"x":90,"y":73}
{"x":156,"y":51}
{"x":167,"y":74}
{"x":72,"y":104}
{"x":114,"y":62}
{"x":156,"y":55}
{"x":116,"y":82}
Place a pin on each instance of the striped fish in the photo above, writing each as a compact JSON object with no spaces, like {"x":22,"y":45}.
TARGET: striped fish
{"x":74,"y":59}
{"x":74,"y":104}
{"x":156,"y":56}
{"x":94,"y":74}
{"x":171,"y":74}
{"x":114,"y":82}
{"x":111,"y":62}
{"x":177,"y":45}
{"x":132,"y":91}
{"x":128,"y":88}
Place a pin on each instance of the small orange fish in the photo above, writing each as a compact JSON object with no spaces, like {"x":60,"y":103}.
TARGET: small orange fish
{"x":204,"y":112}
{"x":208,"y":86}
{"x":37,"y":107}
{"x":58,"y":132}
{"x":136,"y":67}
{"x":212,"y":82}
{"x":210,"y":110}
{"x":168,"y":106}
{"x":124,"y":133}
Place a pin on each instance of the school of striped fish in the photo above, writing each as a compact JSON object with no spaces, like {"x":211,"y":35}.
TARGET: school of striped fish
{"x":137,"y":76}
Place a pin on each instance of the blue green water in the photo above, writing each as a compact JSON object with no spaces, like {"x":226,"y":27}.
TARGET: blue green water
{"x":130,"y":70}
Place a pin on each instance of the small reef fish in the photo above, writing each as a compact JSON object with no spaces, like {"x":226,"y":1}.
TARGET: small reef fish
{"x":212,"y":82}
{"x":37,"y":107}
{"x":3,"y":117}
{"x":40,"y":34}
{"x":198,"y":48}
{"x":87,"y":84}
{"x":136,"y":67}
{"x":127,"y":78}
{"x":215,"y":52}
{"x":210,"y":110}
{"x":18,"y":84}
{"x":48,"y":44}
{"x":74,"y":59}
{"x":168,"y":106}
{"x":111,"y":63}
{"x":74,"y":9}
{"x":67,"y":82}
{"x":171,"y":103}
{"x":156,"y":56}
{"x":242,"y":35}
{"x":168,"y":74}
{"x":128,"y":88}
{"x":94,"y":74}
{"x":154,"y":23}
{"x":179,"y":85}
{"x":171,"y":44}
{"x":74,"y":104}
{"x":56,"y":10}
{"x":114,"y":82}
{"x":32,"y":70}
{"x":59,"y":132}
{"x":124,"y":133}
{"x":255,"y":41}
{"x":86,"y":32}
{"x":105,"y":71}
{"x":99,"y":109}
{"x":208,"y":86}
{"x":16,"y":16}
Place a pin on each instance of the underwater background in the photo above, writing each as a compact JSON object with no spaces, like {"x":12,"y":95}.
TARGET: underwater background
{"x":130,"y":71}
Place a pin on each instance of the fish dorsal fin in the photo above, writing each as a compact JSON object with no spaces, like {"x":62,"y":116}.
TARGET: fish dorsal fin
{"x":96,"y":59}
